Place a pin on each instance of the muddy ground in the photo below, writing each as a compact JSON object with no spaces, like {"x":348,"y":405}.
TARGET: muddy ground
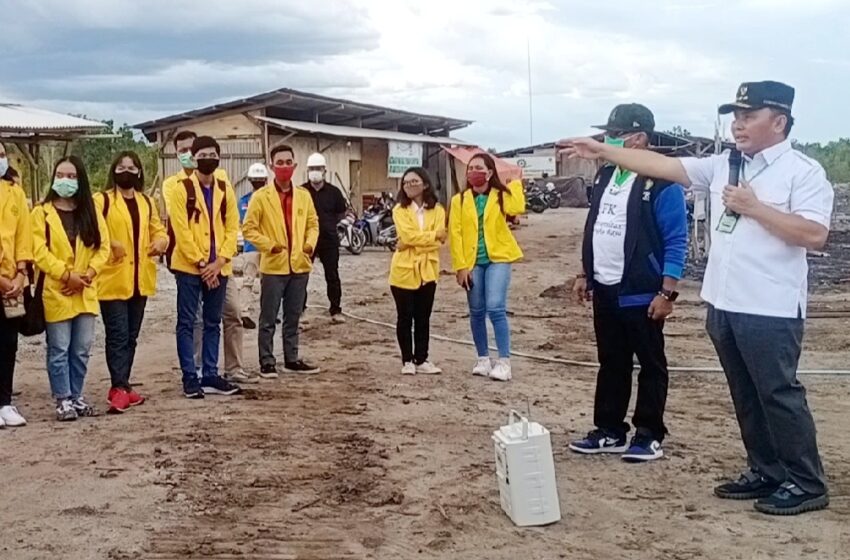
{"x":360,"y":462}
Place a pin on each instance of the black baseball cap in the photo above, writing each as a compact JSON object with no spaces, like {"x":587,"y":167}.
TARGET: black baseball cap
{"x":630,"y":117}
{"x":758,"y":95}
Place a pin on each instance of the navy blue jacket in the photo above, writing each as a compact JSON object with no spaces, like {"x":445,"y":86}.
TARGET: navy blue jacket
{"x":656,"y":242}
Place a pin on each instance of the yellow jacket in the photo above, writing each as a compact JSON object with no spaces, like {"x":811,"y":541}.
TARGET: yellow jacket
{"x":192,"y":237}
{"x":55,"y":260}
{"x":175,"y":180}
{"x":15,"y":229}
{"x":463,"y":227}
{"x":264,"y":228}
{"x":419,"y":262}
{"x":117,"y":279}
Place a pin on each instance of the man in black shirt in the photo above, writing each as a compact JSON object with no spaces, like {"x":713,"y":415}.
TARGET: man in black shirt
{"x":330,"y":206}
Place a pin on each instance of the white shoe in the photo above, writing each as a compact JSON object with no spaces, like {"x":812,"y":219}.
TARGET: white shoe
{"x":242,"y":377}
{"x":10,"y":416}
{"x":483,"y":367}
{"x":502,"y":370}
{"x":427,"y":368}
{"x":408,"y":369}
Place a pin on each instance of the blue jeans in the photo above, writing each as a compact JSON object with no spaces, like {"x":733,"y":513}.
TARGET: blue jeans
{"x":488,"y":297}
{"x":192,"y":292}
{"x":68,"y":349}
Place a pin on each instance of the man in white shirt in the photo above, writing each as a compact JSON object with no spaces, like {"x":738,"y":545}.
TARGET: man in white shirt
{"x":756,"y":288}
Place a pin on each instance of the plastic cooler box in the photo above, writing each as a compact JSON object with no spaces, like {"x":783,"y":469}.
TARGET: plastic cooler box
{"x":525,"y":472}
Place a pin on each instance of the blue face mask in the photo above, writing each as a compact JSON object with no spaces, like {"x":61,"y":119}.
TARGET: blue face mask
{"x":4,"y":166}
{"x":66,"y":188}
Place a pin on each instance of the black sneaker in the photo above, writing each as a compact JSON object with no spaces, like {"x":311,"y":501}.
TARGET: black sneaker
{"x":600,"y":441}
{"x":248,"y":323}
{"x":269,"y":371}
{"x":750,"y":486}
{"x":193,"y":390}
{"x":790,"y":499}
{"x":219,"y":386}
{"x":300,"y":367}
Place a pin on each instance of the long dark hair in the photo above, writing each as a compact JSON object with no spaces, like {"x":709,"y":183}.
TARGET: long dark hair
{"x":85,"y":212}
{"x":495,"y":183}
{"x":110,"y":178}
{"x":429,"y":197}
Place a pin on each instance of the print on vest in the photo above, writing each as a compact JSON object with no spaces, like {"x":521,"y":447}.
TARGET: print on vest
{"x":608,"y":209}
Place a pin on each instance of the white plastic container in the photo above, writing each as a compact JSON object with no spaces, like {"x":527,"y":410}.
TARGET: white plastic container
{"x":525,"y":472}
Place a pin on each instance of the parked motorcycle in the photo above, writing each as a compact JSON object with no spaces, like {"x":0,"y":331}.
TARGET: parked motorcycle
{"x":350,"y":236}
{"x":553,"y":197}
{"x":377,"y":223}
{"x":536,"y":200}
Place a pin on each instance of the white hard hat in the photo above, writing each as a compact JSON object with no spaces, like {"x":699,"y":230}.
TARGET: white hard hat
{"x":316,"y":160}
{"x":258,"y":171}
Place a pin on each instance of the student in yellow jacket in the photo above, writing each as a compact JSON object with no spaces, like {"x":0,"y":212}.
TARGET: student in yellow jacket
{"x":282,"y":224}
{"x":71,"y":246}
{"x":483,"y":249}
{"x":205,"y":222}
{"x":137,"y":237}
{"x":421,"y":225}
{"x":15,"y":255}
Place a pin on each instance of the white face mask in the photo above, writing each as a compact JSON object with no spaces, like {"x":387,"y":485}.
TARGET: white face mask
{"x":315,"y":176}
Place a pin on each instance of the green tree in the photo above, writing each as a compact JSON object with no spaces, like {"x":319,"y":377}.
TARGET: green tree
{"x":98,"y":153}
{"x":679,"y":131}
{"x":833,"y":156}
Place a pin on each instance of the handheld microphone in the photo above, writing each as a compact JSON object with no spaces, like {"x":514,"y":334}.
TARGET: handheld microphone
{"x":735,"y":162}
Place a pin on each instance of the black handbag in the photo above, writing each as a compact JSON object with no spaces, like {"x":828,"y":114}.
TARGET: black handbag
{"x":33,"y":323}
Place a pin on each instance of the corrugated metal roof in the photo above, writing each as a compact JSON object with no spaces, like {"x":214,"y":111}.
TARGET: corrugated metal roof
{"x":357,"y":132}
{"x":14,"y":117}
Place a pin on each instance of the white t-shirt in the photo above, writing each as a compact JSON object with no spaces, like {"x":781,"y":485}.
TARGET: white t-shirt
{"x":420,"y":214}
{"x":609,"y":232}
{"x":751,"y":270}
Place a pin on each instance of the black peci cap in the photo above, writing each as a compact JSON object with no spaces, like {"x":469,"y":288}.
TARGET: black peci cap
{"x":630,"y":117}
{"x":758,"y":95}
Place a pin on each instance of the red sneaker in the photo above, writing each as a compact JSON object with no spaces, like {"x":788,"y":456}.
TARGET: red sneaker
{"x":119,"y":401}
{"x":135,"y":398}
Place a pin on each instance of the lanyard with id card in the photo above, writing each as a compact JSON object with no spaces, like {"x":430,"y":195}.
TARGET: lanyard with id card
{"x":729,"y":219}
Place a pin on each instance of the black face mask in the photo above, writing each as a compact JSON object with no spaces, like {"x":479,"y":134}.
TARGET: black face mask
{"x":127,"y":180}
{"x":207,"y":165}
{"x":258,"y":184}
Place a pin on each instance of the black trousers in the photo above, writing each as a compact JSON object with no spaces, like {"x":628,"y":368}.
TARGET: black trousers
{"x":327,"y":251}
{"x":622,"y":333}
{"x":413,"y":324}
{"x":8,"y":351}
{"x":122,"y":321}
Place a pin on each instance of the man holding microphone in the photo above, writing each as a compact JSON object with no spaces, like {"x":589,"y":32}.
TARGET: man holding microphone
{"x":756,"y":286}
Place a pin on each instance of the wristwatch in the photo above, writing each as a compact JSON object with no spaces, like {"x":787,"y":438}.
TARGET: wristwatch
{"x":669,"y":295}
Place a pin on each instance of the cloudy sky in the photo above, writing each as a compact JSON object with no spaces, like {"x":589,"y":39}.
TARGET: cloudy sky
{"x":132,"y":61}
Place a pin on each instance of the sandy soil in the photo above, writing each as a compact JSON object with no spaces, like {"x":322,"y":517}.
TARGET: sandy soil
{"x":360,"y":462}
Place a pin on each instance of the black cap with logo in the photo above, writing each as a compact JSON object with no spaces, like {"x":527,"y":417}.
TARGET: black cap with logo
{"x":758,"y":95}
{"x":630,"y":117}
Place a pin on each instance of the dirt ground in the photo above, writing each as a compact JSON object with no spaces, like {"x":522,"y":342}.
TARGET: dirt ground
{"x":360,"y":462}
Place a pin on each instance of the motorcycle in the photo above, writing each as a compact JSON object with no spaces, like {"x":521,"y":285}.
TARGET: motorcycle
{"x":377,"y":223}
{"x":350,"y":236}
{"x":553,"y":197}
{"x":536,"y":200}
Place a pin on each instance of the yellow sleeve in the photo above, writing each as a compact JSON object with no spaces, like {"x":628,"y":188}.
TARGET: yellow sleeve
{"x":514,"y":199}
{"x":23,"y":232}
{"x":167,"y":193}
{"x":184,"y":241}
{"x":156,"y":230}
{"x":312,"y":235}
{"x":98,"y":260}
{"x":251,"y":226}
{"x":231,"y":225}
{"x":44,"y":259}
{"x":408,"y":229}
{"x":456,"y":232}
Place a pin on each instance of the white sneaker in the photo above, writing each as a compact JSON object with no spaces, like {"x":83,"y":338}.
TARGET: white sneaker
{"x":483,"y":367}
{"x":10,"y":416}
{"x":428,"y":368}
{"x":502,"y":370}
{"x":408,"y":369}
{"x":242,"y":377}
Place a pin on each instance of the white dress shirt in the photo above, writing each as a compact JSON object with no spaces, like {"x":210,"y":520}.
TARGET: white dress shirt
{"x":751,"y":270}
{"x":420,"y":214}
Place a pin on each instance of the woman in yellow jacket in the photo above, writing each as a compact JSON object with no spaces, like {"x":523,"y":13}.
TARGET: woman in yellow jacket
{"x":15,"y":254}
{"x":71,"y":246}
{"x":421,"y":225}
{"x":137,"y":237}
{"x":483,"y":249}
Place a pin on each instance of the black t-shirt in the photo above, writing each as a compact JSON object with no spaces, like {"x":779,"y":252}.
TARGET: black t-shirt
{"x":330,"y":206}
{"x":69,"y":223}
{"x":133,"y":208}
